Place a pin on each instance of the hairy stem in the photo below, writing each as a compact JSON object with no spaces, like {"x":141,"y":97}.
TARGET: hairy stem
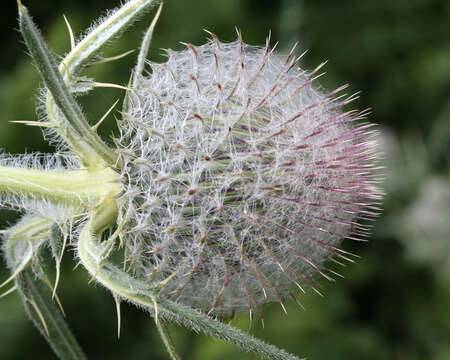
{"x":79,"y":57}
{"x":72,"y":187}
{"x":71,"y":124}
{"x":138,"y":292}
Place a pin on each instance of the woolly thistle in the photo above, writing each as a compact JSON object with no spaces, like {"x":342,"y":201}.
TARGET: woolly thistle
{"x":233,"y":180}
{"x":240,"y":175}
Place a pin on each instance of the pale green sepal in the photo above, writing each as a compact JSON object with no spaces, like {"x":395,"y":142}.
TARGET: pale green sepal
{"x":23,"y":243}
{"x":21,"y":263}
{"x":142,"y":57}
{"x":145,"y":47}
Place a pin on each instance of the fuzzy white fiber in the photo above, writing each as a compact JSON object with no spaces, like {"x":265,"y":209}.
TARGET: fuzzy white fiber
{"x":241,"y":177}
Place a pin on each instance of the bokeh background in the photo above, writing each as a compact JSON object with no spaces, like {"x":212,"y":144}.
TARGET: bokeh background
{"x":394,"y":303}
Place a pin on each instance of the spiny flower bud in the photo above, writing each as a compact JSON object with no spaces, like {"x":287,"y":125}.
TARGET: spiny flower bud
{"x":241,"y":177}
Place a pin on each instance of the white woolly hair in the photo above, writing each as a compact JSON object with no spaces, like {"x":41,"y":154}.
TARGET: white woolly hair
{"x":241,"y":177}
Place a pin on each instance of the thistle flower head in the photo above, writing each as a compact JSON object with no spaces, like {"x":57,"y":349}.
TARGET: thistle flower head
{"x":241,"y":176}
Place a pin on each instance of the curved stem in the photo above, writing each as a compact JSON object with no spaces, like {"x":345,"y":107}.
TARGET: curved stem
{"x":138,"y":292}
{"x":66,"y":115}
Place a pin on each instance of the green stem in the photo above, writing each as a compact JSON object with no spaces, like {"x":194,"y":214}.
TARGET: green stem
{"x":125,"y":286}
{"x":71,"y":124}
{"x":73,"y":187}
{"x":78,"y":57}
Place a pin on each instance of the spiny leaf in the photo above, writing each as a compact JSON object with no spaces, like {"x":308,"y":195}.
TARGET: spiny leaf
{"x":106,"y":31}
{"x":35,"y":294}
{"x":106,"y":115}
{"x":110,"y":85}
{"x":167,"y":339}
{"x":145,"y":46}
{"x":25,"y":259}
{"x":7,"y":292}
{"x":32,"y":123}
{"x":39,"y":314}
{"x":58,"y":240}
{"x":69,"y":28}
{"x":77,"y":124}
{"x":113,"y":58}
{"x":37,"y":299}
{"x":119,"y":314}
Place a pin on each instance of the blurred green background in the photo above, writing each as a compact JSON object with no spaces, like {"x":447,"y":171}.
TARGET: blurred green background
{"x":395,"y":302}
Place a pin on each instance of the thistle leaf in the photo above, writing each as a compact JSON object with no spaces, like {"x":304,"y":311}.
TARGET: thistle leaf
{"x":25,"y":258}
{"x":35,"y":293}
{"x":102,"y":34}
{"x":37,"y":299}
{"x":7,"y":292}
{"x":167,"y":339}
{"x":77,"y":124}
{"x":112,"y":58}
